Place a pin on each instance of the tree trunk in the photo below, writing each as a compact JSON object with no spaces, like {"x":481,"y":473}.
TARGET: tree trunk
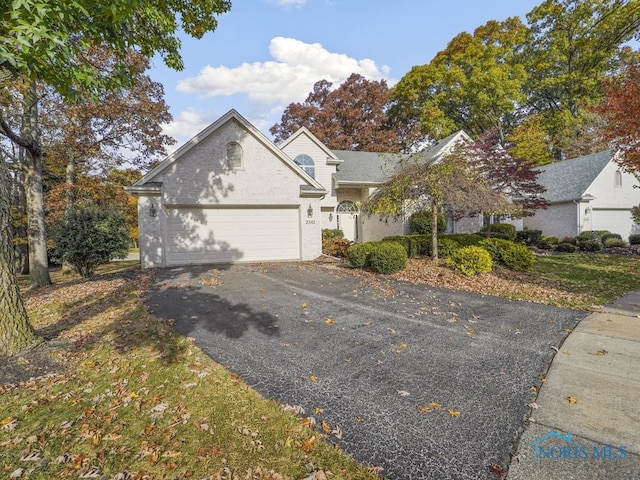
{"x":434,"y":229}
{"x":38,"y":260}
{"x":16,"y":333}
{"x":21,"y":249}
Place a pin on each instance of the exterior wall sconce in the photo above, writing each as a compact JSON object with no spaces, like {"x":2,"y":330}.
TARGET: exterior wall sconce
{"x":331,"y":217}
{"x":310,"y":211}
{"x":153,"y":213}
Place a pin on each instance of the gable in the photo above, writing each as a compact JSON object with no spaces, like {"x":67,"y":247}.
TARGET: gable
{"x":206,"y":169}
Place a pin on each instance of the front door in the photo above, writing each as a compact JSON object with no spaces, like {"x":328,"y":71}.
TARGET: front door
{"x":347,"y":216}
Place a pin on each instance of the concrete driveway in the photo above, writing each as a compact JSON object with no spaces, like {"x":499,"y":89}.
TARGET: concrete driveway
{"x":377,"y":356}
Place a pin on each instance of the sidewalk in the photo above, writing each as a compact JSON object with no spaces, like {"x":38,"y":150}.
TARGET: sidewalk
{"x":587,"y":420}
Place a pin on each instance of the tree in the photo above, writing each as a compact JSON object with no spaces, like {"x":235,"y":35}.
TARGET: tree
{"x":351,"y":117}
{"x":42,"y":41}
{"x":573,"y":44}
{"x":620,"y":108}
{"x":476,"y":177}
{"x":474,"y":84}
{"x":90,"y":236}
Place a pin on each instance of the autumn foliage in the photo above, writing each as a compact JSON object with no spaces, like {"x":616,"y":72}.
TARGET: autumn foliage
{"x":620,"y":108}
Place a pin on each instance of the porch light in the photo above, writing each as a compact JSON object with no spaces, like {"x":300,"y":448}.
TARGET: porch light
{"x":331,"y":217}
{"x":310,"y":211}
{"x":153,"y":213}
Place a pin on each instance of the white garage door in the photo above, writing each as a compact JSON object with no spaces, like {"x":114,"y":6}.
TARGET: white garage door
{"x":616,"y":221}
{"x":225,"y":235}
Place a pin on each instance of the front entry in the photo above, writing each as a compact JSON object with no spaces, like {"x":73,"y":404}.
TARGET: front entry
{"x":347,"y":217}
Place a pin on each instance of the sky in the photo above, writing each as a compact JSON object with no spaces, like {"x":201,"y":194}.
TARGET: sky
{"x":267,"y":54}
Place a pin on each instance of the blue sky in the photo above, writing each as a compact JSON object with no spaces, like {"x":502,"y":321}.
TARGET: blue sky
{"x":266,"y":54}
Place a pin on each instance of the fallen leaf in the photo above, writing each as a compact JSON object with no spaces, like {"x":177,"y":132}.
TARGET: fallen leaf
{"x":600,"y":353}
{"x":313,"y":378}
{"x":337,"y":432}
{"x":435,"y":405}
{"x":497,"y":470}
{"x":453,"y":413}
{"x":572,"y":400}
{"x":404,"y":345}
{"x":568,"y":330}
{"x":403,"y":393}
{"x":308,"y":445}
{"x":304,"y":305}
{"x":533,"y":405}
{"x":423,"y":409}
{"x":17,"y":473}
{"x":329,"y":321}
{"x":326,"y":428}
{"x":533,"y":388}
{"x":318,"y":410}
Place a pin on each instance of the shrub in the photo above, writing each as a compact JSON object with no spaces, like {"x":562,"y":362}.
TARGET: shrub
{"x":607,"y":236}
{"x":591,"y":246}
{"x":566,"y":247}
{"x":551,"y":240}
{"x":423,"y":243}
{"x":329,"y":233}
{"x":529,"y":237}
{"x":358,"y":254}
{"x":470,"y":261}
{"x":512,"y":255}
{"x":388,"y":258}
{"x":634,"y":239}
{"x":420,"y":222}
{"x":447,"y":246}
{"x":612,"y":242}
{"x":335,"y":246}
{"x":500,"y":230}
{"x":87,"y":237}
{"x":407,"y":241}
{"x":464,"y":239}
{"x":571,"y":240}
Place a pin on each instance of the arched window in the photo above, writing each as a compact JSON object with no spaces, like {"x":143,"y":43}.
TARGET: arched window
{"x":347,"y":206}
{"x":234,"y":155}
{"x":305,"y":162}
{"x":618,"y":178}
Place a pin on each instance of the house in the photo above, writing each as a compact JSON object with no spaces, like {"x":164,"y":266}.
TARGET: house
{"x":586,"y":193}
{"x":230,"y":195}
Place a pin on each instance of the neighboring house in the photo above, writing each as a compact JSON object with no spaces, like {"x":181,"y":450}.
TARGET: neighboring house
{"x":586,"y":193}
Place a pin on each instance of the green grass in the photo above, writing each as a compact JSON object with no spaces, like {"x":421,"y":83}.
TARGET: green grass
{"x":602,"y":278}
{"x":133,"y":396}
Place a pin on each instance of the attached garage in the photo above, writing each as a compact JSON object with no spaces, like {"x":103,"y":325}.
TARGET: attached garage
{"x":228,"y":195}
{"x":232,"y":234}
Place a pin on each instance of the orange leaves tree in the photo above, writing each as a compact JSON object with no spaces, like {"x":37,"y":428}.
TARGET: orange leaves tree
{"x":621,"y":108}
{"x":350,"y":117}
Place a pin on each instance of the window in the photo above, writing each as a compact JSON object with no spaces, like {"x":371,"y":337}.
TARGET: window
{"x":234,"y":156}
{"x":618,"y":178}
{"x":347,"y":206}
{"x":305,"y":162}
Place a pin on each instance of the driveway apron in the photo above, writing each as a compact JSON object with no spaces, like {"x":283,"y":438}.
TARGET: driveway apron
{"x":390,"y":363}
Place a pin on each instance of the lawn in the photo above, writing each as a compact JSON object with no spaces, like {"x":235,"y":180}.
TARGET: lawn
{"x":117,"y":394}
{"x":582,"y":281}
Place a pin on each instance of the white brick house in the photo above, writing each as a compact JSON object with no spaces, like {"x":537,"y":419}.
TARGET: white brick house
{"x":586,"y":194}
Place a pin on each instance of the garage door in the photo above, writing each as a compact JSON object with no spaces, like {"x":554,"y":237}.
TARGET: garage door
{"x":225,"y":235}
{"x":616,"y":221}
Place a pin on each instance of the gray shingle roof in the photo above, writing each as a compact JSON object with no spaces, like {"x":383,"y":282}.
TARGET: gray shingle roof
{"x":365,"y":167}
{"x":569,"y":180}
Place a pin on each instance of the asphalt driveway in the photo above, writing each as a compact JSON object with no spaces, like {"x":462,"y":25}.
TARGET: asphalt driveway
{"x":377,"y":356}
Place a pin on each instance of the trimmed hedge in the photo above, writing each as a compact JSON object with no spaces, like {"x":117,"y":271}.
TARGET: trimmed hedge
{"x":420,"y":222}
{"x":566,"y":247}
{"x":470,"y":261}
{"x":358,"y":254}
{"x":500,"y":230}
{"x":634,"y":239}
{"x":529,"y":237}
{"x":408,"y":242}
{"x":614,"y":242}
{"x":590,"y":245}
{"x":514,"y":256}
{"x":388,"y":258}
{"x":465,"y":239}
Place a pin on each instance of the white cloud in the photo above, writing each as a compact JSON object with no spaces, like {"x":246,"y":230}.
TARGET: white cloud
{"x":296,"y":67}
{"x":288,"y":3}
{"x":184,"y":126}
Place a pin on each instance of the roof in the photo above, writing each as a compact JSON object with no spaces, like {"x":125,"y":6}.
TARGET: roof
{"x":569,"y":180}
{"x":367,"y":168}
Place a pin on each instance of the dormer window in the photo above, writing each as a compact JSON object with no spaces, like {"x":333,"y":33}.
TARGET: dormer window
{"x":305,"y":162}
{"x":234,"y":156}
